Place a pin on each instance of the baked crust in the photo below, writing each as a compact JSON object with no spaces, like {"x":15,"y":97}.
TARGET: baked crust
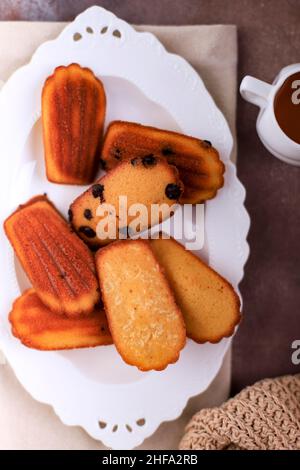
{"x":146,"y":324}
{"x":198,"y":162}
{"x":209,"y":304}
{"x":73,"y":113}
{"x":59,"y":265}
{"x":37,"y":327}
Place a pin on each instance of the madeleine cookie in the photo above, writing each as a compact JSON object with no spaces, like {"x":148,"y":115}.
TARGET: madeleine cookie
{"x":146,"y":324}
{"x":147,"y":181}
{"x":73,"y":112}
{"x":198,"y":162}
{"x":38,"y":327}
{"x":209,"y":304}
{"x":59,"y":265}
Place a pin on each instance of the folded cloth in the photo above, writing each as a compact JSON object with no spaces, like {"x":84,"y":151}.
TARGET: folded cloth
{"x":265,"y":416}
{"x":212,"y":51}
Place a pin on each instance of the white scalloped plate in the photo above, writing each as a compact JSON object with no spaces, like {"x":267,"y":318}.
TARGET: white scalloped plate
{"x":94,"y":388}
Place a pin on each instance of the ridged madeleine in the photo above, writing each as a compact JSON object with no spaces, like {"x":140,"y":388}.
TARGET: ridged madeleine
{"x":59,"y":265}
{"x":37,"y":327}
{"x":73,"y":112}
{"x":198,"y":162}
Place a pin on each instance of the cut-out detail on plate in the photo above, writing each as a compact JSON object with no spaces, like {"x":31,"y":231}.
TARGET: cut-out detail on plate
{"x":102,"y":424}
{"x":226,"y":254}
{"x":89,"y":30}
{"x":117,"y":33}
{"x":104,"y":30}
{"x":141,"y":422}
{"x":77,"y":37}
{"x":115,"y":428}
{"x":129,"y":428}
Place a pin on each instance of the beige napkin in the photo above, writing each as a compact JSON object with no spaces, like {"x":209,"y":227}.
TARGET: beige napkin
{"x":212,"y":50}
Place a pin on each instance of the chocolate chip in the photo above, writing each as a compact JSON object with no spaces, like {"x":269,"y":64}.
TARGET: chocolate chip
{"x":87,"y":231}
{"x":62,"y":275}
{"x":88,"y":214}
{"x":70,"y":215}
{"x":118,"y":154}
{"x":149,"y":160}
{"x":102,"y":328}
{"x":173,"y":191}
{"x":167,"y":150}
{"x":97,"y":191}
{"x":206,"y":143}
{"x":102,"y":163}
{"x":134,"y":161}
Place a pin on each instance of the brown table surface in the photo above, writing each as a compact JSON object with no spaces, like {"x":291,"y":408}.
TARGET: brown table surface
{"x":269,"y":38}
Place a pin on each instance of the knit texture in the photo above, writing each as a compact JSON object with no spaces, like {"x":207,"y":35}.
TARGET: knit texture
{"x":265,"y":416}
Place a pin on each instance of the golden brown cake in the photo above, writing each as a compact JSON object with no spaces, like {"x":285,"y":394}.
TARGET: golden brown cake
{"x":198,"y":162}
{"x":39,"y":328}
{"x":59,"y":265}
{"x":146,"y":324}
{"x":145,"y":180}
{"x":73,"y":112}
{"x":209,"y":304}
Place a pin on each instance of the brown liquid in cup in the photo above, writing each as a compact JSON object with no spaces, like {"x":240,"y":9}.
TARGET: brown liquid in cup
{"x":286,"y":111}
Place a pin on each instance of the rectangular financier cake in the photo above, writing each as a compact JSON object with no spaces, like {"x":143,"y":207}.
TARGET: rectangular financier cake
{"x":146,"y":324}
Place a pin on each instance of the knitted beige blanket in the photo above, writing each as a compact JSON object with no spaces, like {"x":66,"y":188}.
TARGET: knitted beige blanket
{"x":265,"y":416}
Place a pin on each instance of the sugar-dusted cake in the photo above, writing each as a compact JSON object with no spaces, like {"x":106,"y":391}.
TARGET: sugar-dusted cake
{"x":146,"y":324}
{"x":73,"y":112}
{"x":198,"y":162}
{"x":148,"y":180}
{"x":59,"y":265}
{"x":38,"y":327}
{"x":209,"y":304}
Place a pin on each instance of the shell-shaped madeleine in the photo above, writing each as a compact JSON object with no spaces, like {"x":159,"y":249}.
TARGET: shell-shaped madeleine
{"x":73,"y":112}
{"x":58,"y":264}
{"x":198,"y":162}
{"x":39,"y":328}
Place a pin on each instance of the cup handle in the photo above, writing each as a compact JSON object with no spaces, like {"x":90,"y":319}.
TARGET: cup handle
{"x":255,"y":91}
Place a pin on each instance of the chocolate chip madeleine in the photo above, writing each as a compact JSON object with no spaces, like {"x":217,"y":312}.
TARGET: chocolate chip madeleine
{"x":73,"y":112}
{"x":198,"y":162}
{"x":137,"y":187}
{"x":59,"y":265}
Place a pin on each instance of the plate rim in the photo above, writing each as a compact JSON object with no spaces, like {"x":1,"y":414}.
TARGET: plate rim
{"x":239,"y":194}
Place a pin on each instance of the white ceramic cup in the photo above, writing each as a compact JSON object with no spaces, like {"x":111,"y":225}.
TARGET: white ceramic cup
{"x":262,"y":94}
